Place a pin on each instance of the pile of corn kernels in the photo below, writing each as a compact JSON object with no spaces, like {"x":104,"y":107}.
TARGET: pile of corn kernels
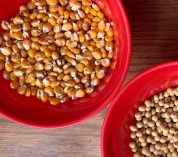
{"x":155,"y":133}
{"x":56,"y":50}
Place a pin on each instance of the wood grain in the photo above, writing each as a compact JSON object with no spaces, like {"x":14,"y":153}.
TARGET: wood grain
{"x":155,"y":40}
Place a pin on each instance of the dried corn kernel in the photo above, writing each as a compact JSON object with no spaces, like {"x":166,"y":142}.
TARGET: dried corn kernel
{"x":56,"y":53}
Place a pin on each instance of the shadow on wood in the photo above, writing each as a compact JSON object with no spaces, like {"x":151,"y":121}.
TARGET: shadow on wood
{"x":155,"y":32}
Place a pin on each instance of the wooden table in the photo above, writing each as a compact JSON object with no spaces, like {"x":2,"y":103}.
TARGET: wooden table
{"x":154,"y":25}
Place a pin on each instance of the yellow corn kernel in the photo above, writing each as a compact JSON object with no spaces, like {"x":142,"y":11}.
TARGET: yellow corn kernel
{"x":31,"y":5}
{"x":85,"y":79}
{"x":67,"y":26}
{"x":40,"y":15}
{"x":109,"y":38}
{"x":53,"y":8}
{"x":6,"y":51}
{"x":22,"y":80}
{"x":18,"y":73}
{"x":52,"y":2}
{"x":97,"y":54}
{"x":54,"y":84}
{"x":92,"y":34}
{"x":52,"y":47}
{"x":93,"y":25}
{"x":40,"y":56}
{"x":80,"y":67}
{"x":70,"y":54}
{"x":52,"y":21}
{"x":18,"y":35}
{"x":93,"y":12}
{"x":94,"y":6}
{"x":80,"y":93}
{"x":100,"y":74}
{"x":85,"y":61}
{"x":5,"y":25}
{"x":101,"y":25}
{"x":9,"y":66}
{"x":100,"y":44}
{"x":89,"y":90}
{"x":72,"y":93}
{"x":60,"y":76}
{"x":70,"y":60}
{"x":72,"y":16}
{"x":14,"y":85}
{"x":110,"y":32}
{"x":49,"y":91}
{"x":110,"y":54}
{"x":25,"y":64}
{"x":86,"y":2}
{"x":75,"y":50}
{"x":81,"y":13}
{"x":66,"y":78}
{"x":54,"y":101}
{"x":86,"y":26}
{"x":81,"y":38}
{"x":34,"y":91}
{"x":87,"y":9}
{"x":86,"y":19}
{"x":61,"y":11}
{"x":29,"y":78}
{"x":47,"y":27}
{"x":90,"y":48}
{"x":28,"y":92}
{"x":88,"y":69}
{"x":58,"y":90}
{"x":40,"y":3}
{"x":75,"y":27}
{"x":22,"y":89}
{"x":95,"y":81}
{"x":39,"y":83}
{"x":26,"y":26}
{"x":100,"y":15}
{"x":44,"y":97}
{"x":66,"y":14}
{"x":105,"y":62}
{"x":109,"y":46}
{"x":39,"y":66}
{"x":55,"y":55}
{"x":96,"y":19}
{"x":63,"y":2}
{"x":104,"y":53}
{"x":31,"y":53}
{"x":15,"y":28}
{"x":79,"y":23}
{"x":6,"y":75}
{"x":15,"y":57}
{"x":18,"y":20}
{"x":60,"y":42}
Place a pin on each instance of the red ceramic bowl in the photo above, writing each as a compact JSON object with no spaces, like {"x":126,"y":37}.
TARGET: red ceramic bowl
{"x":32,"y":112}
{"x":116,"y":132}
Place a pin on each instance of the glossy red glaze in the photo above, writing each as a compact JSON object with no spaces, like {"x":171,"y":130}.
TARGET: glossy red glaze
{"x":116,"y":132}
{"x":32,"y":112}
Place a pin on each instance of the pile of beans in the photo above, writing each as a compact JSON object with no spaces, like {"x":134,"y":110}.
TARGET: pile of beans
{"x":155,"y":133}
{"x":56,"y":50}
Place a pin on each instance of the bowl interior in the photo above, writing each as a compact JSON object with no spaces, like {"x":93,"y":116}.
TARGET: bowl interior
{"x":31,"y":111}
{"x":116,"y":132}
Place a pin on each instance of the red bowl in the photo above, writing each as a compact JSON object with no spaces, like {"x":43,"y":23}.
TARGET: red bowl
{"x":32,"y":112}
{"x":116,"y":133}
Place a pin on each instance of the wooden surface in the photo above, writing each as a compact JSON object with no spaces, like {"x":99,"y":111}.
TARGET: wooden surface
{"x":154,"y":25}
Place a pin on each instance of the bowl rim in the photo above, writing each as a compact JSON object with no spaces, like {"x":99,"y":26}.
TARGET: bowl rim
{"x":109,"y":100}
{"x":123,"y":90}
